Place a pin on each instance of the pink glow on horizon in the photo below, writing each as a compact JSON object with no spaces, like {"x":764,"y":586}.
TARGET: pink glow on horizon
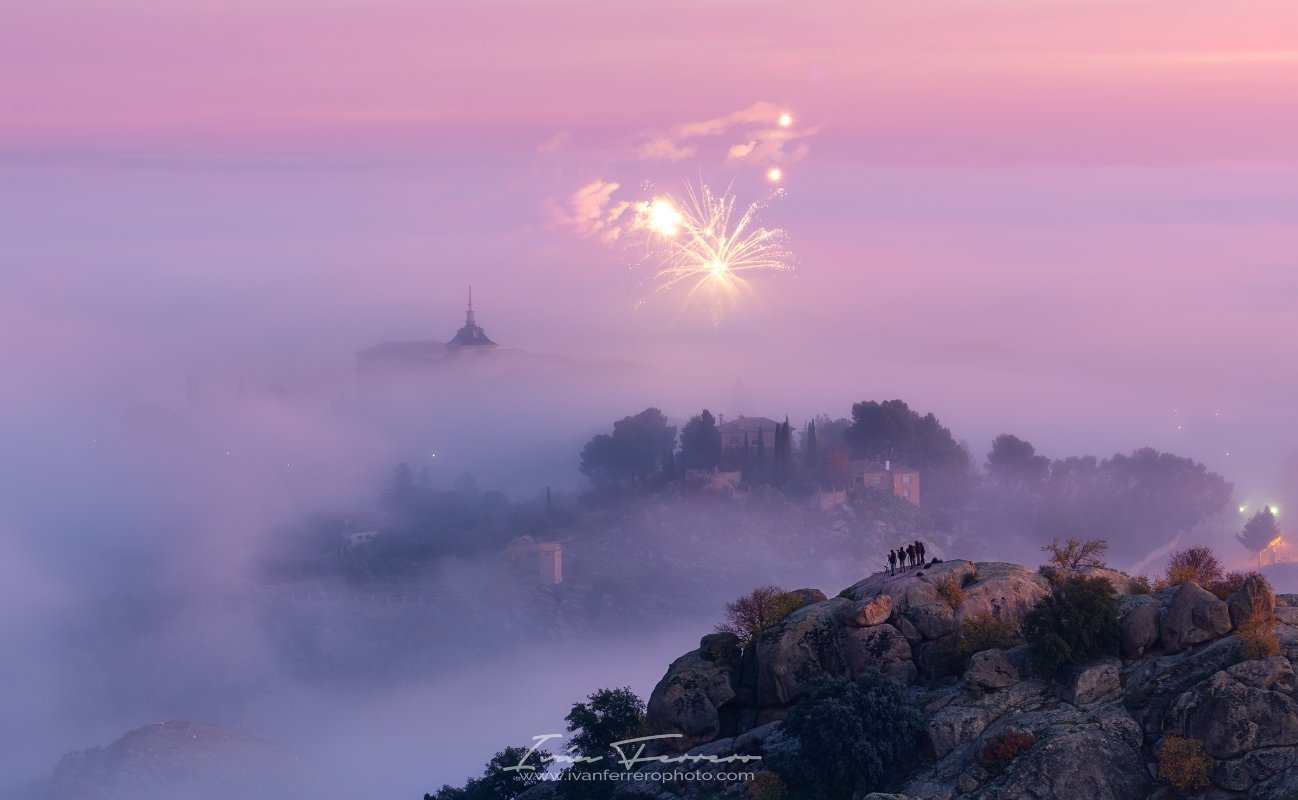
{"x":1104,"y":80}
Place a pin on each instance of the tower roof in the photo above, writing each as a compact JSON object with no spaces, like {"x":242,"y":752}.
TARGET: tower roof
{"x":472,"y":334}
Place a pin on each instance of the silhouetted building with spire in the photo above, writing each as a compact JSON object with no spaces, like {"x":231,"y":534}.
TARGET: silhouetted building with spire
{"x":471,"y":335}
{"x":422,"y":354}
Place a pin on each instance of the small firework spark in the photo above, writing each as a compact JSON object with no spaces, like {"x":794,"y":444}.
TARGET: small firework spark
{"x":775,"y":175}
{"x":698,"y":242}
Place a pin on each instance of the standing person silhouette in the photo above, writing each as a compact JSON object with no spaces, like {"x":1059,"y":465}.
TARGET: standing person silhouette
{"x":910,"y":553}
{"x":892,"y":562}
{"x":919,"y":548}
{"x":901,"y":558}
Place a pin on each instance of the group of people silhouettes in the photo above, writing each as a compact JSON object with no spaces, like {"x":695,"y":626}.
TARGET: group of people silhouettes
{"x":911,"y":555}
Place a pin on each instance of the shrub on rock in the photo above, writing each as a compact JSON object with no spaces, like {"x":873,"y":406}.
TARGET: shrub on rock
{"x":1002,"y":749}
{"x":851,"y":736}
{"x":759,"y":611}
{"x":949,"y":591}
{"x":1194,"y":565}
{"x":1079,"y":620}
{"x":1257,"y":638}
{"x":1182,"y":763}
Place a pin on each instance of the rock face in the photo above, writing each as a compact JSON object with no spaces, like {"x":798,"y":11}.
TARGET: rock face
{"x":1193,"y":615}
{"x":1254,"y":598}
{"x":1094,"y":729}
{"x":1121,"y":584}
{"x":689,"y":698}
{"x":990,"y":669}
{"x":864,"y":613}
{"x":1138,"y":621}
{"x":1239,"y":710}
{"x":1089,"y":683}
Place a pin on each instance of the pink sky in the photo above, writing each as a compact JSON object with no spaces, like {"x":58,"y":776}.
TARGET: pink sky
{"x":1012,"y":212}
{"x":1085,"y":81}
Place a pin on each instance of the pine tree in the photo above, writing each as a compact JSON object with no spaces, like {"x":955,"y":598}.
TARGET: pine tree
{"x":811,"y":450}
{"x":783,"y":451}
{"x":1259,"y":532}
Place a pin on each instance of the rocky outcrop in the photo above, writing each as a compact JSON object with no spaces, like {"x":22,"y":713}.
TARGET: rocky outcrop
{"x":1138,"y":620}
{"x":1093,"y":729}
{"x":1004,"y":592}
{"x":1075,"y":753}
{"x":864,"y":613}
{"x":1255,"y":598}
{"x":1088,"y":683}
{"x":1239,"y":710}
{"x":990,"y":669}
{"x":1192,"y":616}
{"x":688,"y":700}
{"x":1121,"y":582}
{"x":799,"y":650}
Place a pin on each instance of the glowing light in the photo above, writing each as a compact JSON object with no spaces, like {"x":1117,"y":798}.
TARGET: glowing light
{"x":786,"y":119}
{"x":775,"y":175}
{"x":1276,"y":542}
{"x":661,"y":216}
{"x":1241,"y":509}
{"x":702,"y":244}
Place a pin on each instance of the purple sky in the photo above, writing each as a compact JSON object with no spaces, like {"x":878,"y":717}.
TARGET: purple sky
{"x":1063,"y":219}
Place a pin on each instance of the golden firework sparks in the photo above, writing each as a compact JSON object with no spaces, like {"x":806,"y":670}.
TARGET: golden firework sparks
{"x":700,"y":243}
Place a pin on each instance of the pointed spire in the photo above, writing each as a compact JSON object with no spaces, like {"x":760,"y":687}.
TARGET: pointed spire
{"x":468,"y":316}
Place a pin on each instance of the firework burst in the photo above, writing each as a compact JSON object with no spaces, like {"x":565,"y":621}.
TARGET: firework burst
{"x":698,"y":242}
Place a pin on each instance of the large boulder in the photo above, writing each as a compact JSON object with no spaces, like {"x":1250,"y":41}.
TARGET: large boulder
{"x":1090,"y":682}
{"x":1255,"y":598}
{"x":952,"y":726}
{"x":800,"y":649}
{"x":990,"y":669}
{"x":1232,"y":717}
{"x":932,"y":620}
{"x":1121,"y":583}
{"x":808,"y":596}
{"x":688,"y":699}
{"x":1091,"y":754}
{"x":912,"y":588}
{"x":1155,"y":684}
{"x":990,"y":590}
{"x":1194,"y":615}
{"x":881,"y":647}
{"x":1099,"y":760}
{"x":1003,"y":592}
{"x":1138,"y":622}
{"x":864,"y":613}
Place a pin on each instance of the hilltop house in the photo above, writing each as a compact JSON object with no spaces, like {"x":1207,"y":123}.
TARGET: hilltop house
{"x":899,"y":480}
{"x":734,"y":431}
